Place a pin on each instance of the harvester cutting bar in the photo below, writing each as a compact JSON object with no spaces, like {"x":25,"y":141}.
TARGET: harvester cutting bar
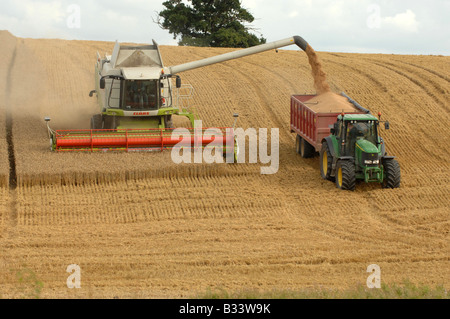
{"x":142,"y":139}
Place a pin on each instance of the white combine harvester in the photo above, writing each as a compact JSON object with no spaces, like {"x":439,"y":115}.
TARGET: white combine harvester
{"x":137,"y":100}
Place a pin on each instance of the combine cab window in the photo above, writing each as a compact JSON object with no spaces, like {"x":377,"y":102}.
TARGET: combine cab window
{"x":140,"y":95}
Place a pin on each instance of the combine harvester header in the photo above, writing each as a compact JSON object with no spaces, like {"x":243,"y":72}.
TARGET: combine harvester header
{"x":140,"y":140}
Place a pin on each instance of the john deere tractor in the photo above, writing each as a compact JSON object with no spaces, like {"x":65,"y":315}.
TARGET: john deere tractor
{"x":355,"y":151}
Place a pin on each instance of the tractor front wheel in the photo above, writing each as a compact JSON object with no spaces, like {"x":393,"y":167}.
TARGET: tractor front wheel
{"x":391,"y":174}
{"x":345,"y":175}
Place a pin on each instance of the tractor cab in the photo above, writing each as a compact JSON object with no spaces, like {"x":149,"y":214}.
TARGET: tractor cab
{"x":357,"y":132}
{"x":355,"y":151}
{"x":358,"y":143}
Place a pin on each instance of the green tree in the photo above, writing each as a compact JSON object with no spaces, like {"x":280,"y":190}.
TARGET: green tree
{"x":214,"y":23}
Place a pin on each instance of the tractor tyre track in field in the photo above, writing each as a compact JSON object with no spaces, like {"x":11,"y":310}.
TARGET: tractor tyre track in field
{"x":421,"y":86}
{"x":392,"y":68}
{"x":416,"y":69}
{"x":442,"y":76}
{"x":394,"y":98}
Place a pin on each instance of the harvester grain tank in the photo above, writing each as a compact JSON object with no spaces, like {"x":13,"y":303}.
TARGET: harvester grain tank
{"x":137,"y":99}
{"x":349,"y":143}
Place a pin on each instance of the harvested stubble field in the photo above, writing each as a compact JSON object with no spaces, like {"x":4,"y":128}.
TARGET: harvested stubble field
{"x":140,"y":226}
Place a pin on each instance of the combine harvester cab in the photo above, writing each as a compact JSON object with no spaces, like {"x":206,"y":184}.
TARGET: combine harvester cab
{"x":349,"y":143}
{"x":137,"y":101}
{"x":134,"y":91}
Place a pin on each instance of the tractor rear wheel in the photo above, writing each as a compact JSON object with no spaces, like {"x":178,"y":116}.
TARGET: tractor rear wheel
{"x":391,"y":174}
{"x":96,"y":122}
{"x":345,"y":175}
{"x":326,"y":162}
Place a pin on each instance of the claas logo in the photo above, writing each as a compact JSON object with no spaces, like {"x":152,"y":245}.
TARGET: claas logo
{"x":141,"y":113}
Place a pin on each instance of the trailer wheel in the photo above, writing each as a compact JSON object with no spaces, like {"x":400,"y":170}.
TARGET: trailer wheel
{"x":345,"y":175}
{"x":96,"y":122}
{"x":297,"y":144}
{"x":391,"y":174}
{"x":326,"y":162}
{"x":306,"y":149}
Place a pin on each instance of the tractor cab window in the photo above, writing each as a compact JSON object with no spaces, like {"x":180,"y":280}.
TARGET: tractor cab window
{"x":359,"y":130}
{"x":140,"y":95}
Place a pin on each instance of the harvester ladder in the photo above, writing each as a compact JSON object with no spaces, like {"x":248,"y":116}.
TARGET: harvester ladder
{"x":115,"y":92}
{"x":183,"y":96}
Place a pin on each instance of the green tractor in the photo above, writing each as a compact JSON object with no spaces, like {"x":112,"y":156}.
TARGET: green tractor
{"x":355,"y":151}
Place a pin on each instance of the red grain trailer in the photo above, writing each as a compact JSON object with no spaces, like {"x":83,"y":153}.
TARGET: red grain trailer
{"x":311,"y":125}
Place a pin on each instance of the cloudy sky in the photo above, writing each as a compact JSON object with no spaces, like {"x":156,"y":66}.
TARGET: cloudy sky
{"x":366,"y":26}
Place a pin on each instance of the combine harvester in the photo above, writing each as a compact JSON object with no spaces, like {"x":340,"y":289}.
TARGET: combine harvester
{"x":137,"y":101}
{"x":349,"y":142}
